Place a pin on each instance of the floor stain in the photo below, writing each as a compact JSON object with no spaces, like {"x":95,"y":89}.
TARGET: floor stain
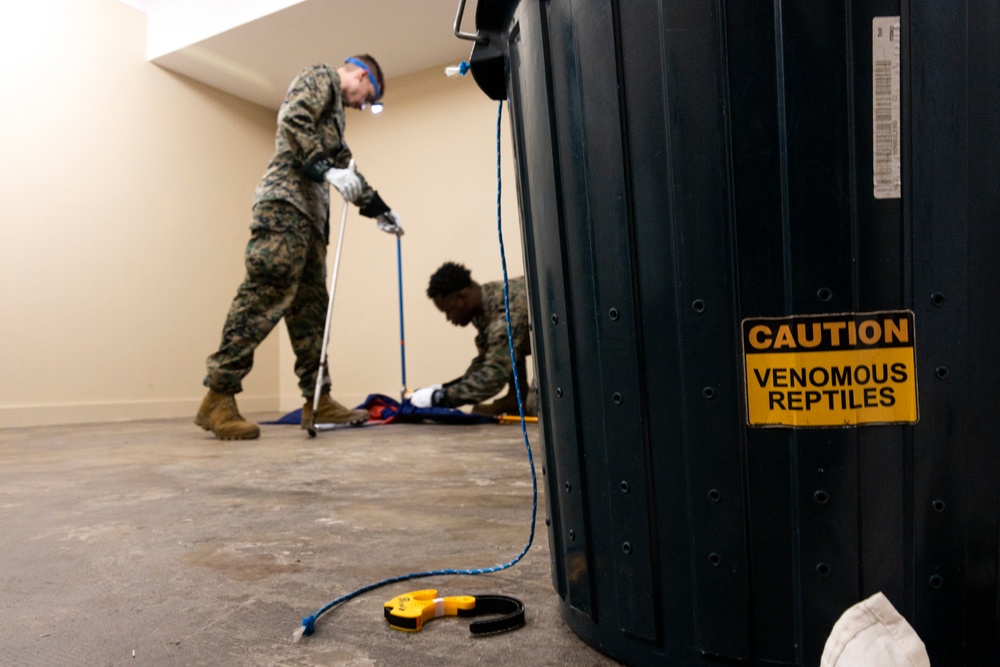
{"x":243,"y":561}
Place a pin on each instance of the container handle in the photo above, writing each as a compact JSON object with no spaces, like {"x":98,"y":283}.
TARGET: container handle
{"x":458,"y":26}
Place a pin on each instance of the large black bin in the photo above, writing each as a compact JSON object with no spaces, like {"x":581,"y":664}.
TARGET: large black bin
{"x":708,"y":191}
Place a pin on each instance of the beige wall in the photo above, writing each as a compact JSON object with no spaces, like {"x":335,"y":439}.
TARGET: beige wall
{"x":126,"y":192}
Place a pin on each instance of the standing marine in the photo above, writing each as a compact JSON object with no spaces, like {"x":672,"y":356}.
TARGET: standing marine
{"x":286,"y":255}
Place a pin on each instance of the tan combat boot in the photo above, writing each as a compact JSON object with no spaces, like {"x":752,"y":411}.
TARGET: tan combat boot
{"x":505,"y":405}
{"x":531,"y":403}
{"x":218,"y":413}
{"x":331,"y":412}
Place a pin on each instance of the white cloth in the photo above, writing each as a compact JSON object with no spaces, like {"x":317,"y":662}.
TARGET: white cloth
{"x":424,"y":398}
{"x":873,"y":634}
{"x":346,"y":181}
{"x":389,"y":223}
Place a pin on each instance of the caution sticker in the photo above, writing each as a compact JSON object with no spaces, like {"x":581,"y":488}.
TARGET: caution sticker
{"x":831,"y":370}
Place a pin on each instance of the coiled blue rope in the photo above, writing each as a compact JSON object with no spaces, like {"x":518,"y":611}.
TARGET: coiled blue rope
{"x":309,"y":622}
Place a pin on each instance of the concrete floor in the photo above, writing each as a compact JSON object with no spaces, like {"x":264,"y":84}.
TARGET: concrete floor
{"x":151,"y":543}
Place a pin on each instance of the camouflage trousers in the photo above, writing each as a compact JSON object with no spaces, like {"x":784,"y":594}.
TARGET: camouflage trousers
{"x":285,"y":278}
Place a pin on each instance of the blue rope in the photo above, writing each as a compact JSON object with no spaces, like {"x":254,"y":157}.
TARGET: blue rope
{"x":402,"y":336}
{"x":309,"y":622}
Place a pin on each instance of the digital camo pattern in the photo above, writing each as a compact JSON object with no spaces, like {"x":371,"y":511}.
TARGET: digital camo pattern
{"x":285,"y":277}
{"x":310,"y":125}
{"x":491,"y":370}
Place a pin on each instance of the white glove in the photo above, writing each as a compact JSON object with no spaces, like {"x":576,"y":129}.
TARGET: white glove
{"x":388,"y":222}
{"x":346,"y":181}
{"x":424,"y":398}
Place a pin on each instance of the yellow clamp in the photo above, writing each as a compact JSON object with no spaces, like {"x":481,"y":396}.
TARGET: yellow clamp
{"x":409,"y":612}
{"x":515,"y":419}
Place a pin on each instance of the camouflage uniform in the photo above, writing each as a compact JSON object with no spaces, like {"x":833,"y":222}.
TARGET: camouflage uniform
{"x":286,"y":256}
{"x":491,"y":370}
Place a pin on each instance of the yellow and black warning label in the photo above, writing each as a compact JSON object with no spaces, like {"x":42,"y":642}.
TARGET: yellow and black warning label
{"x":831,"y":370}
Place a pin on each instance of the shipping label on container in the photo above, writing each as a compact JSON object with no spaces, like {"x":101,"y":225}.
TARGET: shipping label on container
{"x":886,"y":174}
{"x":831,"y":370}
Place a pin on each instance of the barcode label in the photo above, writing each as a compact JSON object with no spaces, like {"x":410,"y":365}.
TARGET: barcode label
{"x":886,"y":180}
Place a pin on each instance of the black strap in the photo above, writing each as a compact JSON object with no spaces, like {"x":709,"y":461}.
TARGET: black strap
{"x":374,"y":208}
{"x":512,"y":611}
{"x":317,"y":166}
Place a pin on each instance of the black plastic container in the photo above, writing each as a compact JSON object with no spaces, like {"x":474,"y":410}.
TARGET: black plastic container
{"x":688,"y":170}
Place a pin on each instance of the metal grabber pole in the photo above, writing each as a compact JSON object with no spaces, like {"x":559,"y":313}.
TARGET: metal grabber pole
{"x":402,"y":336}
{"x":323,"y":371}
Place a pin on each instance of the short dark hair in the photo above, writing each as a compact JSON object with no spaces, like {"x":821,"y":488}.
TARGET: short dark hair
{"x":373,"y":66}
{"x":448,"y":279}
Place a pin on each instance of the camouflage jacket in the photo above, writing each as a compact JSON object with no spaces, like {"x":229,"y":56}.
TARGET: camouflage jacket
{"x":310,"y":140}
{"x":491,"y":370}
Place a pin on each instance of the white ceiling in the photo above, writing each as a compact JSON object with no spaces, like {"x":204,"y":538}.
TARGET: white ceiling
{"x":257,"y":60}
